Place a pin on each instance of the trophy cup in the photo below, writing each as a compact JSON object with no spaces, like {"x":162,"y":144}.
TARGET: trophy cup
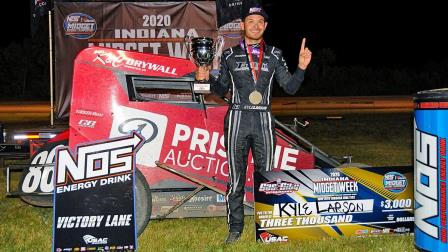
{"x":201,"y":51}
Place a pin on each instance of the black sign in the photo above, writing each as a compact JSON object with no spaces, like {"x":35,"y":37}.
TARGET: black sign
{"x":94,"y":196}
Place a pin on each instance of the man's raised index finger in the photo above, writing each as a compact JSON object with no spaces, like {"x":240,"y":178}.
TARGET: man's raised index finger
{"x":302,"y":47}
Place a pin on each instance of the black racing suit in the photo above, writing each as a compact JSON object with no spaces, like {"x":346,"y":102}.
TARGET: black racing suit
{"x":248,"y":126}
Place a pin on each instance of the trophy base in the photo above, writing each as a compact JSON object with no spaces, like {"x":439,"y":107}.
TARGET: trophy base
{"x":201,"y":88}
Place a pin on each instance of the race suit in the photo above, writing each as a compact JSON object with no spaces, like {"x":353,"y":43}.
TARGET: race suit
{"x":248,"y":125}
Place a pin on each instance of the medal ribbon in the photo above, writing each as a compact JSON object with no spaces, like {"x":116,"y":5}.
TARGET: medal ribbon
{"x":251,"y":61}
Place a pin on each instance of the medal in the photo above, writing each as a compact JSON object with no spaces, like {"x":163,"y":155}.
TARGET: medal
{"x":255,"y":97}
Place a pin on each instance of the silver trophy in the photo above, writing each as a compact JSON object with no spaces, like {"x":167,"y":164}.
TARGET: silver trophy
{"x":202,"y":51}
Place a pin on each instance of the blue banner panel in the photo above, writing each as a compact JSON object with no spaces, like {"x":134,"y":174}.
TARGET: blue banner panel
{"x":430,"y":135}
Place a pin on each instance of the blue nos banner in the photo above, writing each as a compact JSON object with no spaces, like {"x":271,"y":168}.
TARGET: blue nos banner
{"x":430,"y":145}
{"x":94,"y":196}
{"x":339,"y":202}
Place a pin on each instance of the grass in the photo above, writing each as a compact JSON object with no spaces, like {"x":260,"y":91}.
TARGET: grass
{"x":376,"y":140}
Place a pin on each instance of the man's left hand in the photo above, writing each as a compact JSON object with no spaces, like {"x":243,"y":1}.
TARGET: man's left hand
{"x":304,"y":55}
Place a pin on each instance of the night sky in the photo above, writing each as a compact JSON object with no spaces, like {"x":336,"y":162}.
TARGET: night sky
{"x":371,"y":33}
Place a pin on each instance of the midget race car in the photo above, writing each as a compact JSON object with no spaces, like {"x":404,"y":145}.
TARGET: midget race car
{"x":116,"y":92}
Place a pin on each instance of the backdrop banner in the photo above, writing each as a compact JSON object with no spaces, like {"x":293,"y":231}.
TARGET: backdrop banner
{"x":150,"y":27}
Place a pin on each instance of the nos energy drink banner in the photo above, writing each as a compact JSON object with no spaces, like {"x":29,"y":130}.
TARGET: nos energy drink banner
{"x":314,"y":204}
{"x":430,"y":134}
{"x":94,"y":197}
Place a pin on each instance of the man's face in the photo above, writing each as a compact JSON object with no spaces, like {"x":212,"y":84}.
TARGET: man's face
{"x":254,"y":26}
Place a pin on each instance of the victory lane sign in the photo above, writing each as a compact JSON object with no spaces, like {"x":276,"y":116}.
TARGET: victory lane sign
{"x":94,"y":196}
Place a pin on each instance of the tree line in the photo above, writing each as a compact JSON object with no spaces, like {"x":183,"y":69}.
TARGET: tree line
{"x":326,"y":78}
{"x":24,"y":68}
{"x":24,"y":74}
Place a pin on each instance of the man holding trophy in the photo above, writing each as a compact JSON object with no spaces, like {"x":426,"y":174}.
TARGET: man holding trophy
{"x":247,"y":70}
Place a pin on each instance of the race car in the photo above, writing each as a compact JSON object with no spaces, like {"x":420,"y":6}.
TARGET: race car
{"x":117,"y":92}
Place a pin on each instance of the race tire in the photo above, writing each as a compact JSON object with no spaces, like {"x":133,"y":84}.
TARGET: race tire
{"x":143,"y":201}
{"x":39,"y":200}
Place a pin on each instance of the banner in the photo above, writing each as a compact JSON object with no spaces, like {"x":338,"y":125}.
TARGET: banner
{"x":231,"y":10}
{"x":94,"y":196}
{"x":339,"y":202}
{"x":38,"y":9}
{"x":149,"y":27}
{"x":228,"y":10}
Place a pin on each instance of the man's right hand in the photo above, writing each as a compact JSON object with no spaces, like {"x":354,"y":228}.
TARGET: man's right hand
{"x":202,"y":73}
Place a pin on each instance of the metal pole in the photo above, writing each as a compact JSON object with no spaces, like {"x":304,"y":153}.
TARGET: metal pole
{"x":50,"y":41}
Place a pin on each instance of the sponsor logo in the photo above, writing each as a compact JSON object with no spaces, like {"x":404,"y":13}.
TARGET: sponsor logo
{"x":426,"y":190}
{"x":92,"y":240}
{"x":401,"y":230}
{"x":80,"y":26}
{"x":40,"y":3}
{"x":121,"y":60}
{"x":215,"y":208}
{"x":278,"y":187}
{"x":97,"y":160}
{"x":86,"y":123}
{"x":376,"y":231}
{"x":361,"y":231}
{"x":144,"y":127}
{"x":176,"y":197}
{"x":193,"y":208}
{"x":335,"y":185}
{"x":88,"y":113}
{"x":243,"y":66}
{"x":201,"y":198}
{"x":220,"y":198}
{"x":158,"y":199}
{"x":255,"y":10}
{"x":269,"y":238}
{"x":394,"y":182}
{"x":150,"y":125}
